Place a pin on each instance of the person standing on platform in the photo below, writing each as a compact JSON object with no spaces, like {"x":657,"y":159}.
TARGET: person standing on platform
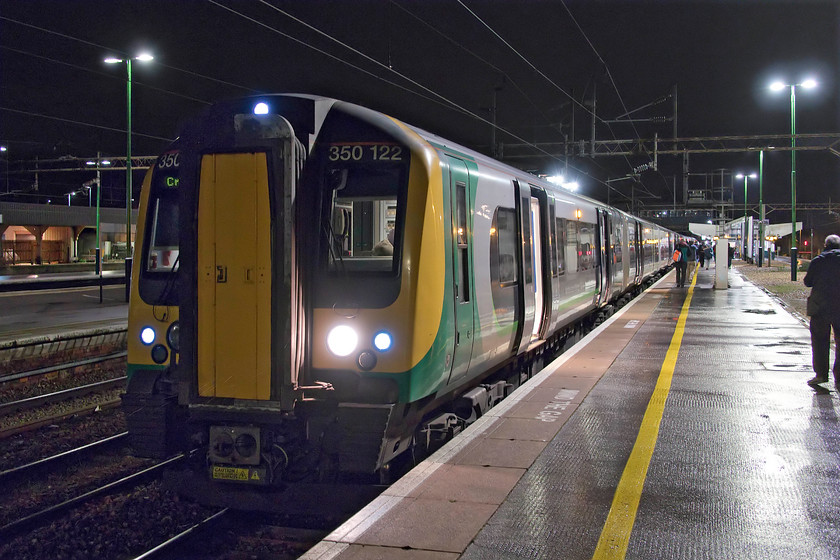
{"x":682,"y":264}
{"x":823,"y":277}
{"x":710,"y":255}
{"x":701,"y":255}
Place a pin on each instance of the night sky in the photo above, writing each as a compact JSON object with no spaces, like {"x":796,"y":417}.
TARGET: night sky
{"x":417,"y":59}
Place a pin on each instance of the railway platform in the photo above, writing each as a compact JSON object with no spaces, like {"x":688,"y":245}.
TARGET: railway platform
{"x":15,"y":278}
{"x":680,"y":428}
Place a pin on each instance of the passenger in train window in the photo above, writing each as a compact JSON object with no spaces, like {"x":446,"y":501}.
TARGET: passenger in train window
{"x":386,"y":246}
{"x":824,"y":310}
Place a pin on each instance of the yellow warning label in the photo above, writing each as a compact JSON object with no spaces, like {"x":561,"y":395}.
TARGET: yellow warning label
{"x":230,"y":473}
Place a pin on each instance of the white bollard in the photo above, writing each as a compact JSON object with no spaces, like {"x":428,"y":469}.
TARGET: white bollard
{"x":722,"y":264}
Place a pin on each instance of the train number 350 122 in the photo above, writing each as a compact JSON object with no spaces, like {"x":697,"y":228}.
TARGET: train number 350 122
{"x":366,"y":152}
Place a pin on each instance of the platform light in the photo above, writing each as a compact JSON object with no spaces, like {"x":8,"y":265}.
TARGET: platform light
{"x":777,"y":86}
{"x":145,"y":58}
{"x":561,"y":181}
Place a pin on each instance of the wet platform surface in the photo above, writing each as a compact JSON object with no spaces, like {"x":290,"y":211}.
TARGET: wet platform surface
{"x":636,"y":444}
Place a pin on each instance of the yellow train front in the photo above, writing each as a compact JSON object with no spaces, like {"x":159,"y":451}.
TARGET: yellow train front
{"x":300,"y":319}
{"x":343,"y":288}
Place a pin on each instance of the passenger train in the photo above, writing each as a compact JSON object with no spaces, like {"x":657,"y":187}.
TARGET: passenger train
{"x":320,"y":288}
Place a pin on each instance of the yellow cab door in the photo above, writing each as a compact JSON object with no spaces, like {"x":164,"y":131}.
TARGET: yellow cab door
{"x":234,"y":277}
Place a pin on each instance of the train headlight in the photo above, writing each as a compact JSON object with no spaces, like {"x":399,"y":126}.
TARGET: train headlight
{"x":342,"y":340}
{"x":147,"y":335}
{"x":383,"y":341}
{"x":261,"y":108}
{"x":173,"y":336}
{"x":159,"y":353}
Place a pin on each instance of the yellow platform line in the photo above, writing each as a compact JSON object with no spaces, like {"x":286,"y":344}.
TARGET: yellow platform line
{"x":615,"y":536}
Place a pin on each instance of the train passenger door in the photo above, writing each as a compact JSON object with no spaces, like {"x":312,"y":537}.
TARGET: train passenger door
{"x":604,"y":257}
{"x":234,"y":283}
{"x":526,"y":305}
{"x":462,"y":275}
{"x":640,"y":252}
{"x":619,"y":281}
{"x":540,"y":257}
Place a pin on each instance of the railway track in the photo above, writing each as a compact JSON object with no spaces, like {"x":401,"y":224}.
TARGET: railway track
{"x":63,"y":395}
{"x":62,"y":366}
{"x":61,"y":459}
{"x":28,"y":522}
{"x":171,"y":547}
{"x":256,"y":536}
{"x":56,"y":399}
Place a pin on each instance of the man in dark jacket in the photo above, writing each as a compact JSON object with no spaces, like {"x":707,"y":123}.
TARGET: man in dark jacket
{"x":823,"y":278}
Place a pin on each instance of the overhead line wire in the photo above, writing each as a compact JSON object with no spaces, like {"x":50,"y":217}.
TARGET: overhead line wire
{"x":103,"y":47}
{"x":446,"y":101}
{"x":525,"y":60}
{"x":612,"y":81}
{"x":511,"y":47}
{"x":50,"y":117}
{"x":103,"y":74}
{"x":474,"y":55}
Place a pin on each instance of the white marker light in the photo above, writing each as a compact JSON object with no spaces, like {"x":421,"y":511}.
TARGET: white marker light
{"x":342,"y":340}
{"x":382,"y":341}
{"x":147,"y":335}
{"x":261,"y":109}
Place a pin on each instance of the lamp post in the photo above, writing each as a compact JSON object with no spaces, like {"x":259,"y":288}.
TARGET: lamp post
{"x":3,"y":150}
{"x":744,"y":229}
{"x":112,"y":60}
{"x":779,"y":86}
{"x":98,"y":261}
{"x":760,"y":208}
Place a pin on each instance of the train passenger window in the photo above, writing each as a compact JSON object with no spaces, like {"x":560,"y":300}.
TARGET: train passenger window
{"x":552,"y":252}
{"x":560,"y":245}
{"x":586,"y":246}
{"x":463,"y":253}
{"x":503,"y":248}
{"x":572,"y":246}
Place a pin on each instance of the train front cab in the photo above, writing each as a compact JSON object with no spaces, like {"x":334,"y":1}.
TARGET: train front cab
{"x":153,"y":327}
{"x":305,"y":336}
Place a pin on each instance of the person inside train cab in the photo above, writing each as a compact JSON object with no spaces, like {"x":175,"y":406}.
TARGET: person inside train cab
{"x":386,"y":246}
{"x":682,"y":263}
{"x":824,"y":310}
